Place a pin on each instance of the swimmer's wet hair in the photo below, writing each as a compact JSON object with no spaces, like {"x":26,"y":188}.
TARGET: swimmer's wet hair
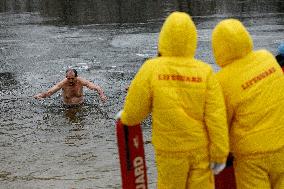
{"x":73,"y":70}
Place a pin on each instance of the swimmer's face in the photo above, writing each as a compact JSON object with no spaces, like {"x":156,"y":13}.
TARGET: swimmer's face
{"x":70,"y":76}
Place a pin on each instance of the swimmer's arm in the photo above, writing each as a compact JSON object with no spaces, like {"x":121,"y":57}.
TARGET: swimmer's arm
{"x":50,"y":91}
{"x":93,"y":86}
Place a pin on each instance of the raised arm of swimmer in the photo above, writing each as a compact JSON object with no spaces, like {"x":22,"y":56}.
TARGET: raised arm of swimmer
{"x":50,"y":92}
{"x":93,"y":86}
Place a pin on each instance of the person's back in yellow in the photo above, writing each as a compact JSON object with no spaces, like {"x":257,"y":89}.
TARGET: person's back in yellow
{"x":187,"y":105}
{"x":253,"y":86}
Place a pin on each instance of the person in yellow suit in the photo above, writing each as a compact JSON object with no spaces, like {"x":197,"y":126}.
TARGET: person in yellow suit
{"x":253,"y":86}
{"x":190,"y":132}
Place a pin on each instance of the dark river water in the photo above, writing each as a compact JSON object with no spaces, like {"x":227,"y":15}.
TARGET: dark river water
{"x":46,"y":145}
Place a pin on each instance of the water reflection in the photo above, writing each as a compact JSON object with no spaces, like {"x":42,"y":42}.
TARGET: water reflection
{"x":76,"y":135}
{"x":76,"y":117}
{"x":73,"y":12}
{"x":7,"y":80}
{"x":83,"y":12}
{"x":19,"y":5}
{"x":72,"y":114}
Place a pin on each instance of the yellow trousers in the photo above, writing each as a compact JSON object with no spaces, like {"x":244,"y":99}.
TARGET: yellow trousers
{"x":265,"y":171}
{"x":183,"y":171}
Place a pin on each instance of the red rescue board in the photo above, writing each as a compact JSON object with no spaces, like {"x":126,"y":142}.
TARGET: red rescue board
{"x":226,"y":179}
{"x":131,"y":156}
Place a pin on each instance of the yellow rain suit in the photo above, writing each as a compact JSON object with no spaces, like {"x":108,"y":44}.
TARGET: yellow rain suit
{"x":188,"y":110}
{"x":253,"y":86}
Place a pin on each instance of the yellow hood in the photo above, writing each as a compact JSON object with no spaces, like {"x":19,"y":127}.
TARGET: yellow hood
{"x":230,"y":41}
{"x":178,"y":36}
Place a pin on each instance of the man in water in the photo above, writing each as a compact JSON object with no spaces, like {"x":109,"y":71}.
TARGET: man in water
{"x":72,"y":89}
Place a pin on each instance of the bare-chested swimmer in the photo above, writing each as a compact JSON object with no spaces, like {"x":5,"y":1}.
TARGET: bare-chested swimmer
{"x":72,"y":89}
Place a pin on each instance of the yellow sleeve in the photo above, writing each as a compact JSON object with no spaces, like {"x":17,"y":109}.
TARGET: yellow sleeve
{"x":229,"y":107}
{"x":216,"y":122}
{"x":138,"y":100}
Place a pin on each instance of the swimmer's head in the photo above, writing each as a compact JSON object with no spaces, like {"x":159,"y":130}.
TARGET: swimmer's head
{"x":72,"y":70}
{"x":71,"y":76}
